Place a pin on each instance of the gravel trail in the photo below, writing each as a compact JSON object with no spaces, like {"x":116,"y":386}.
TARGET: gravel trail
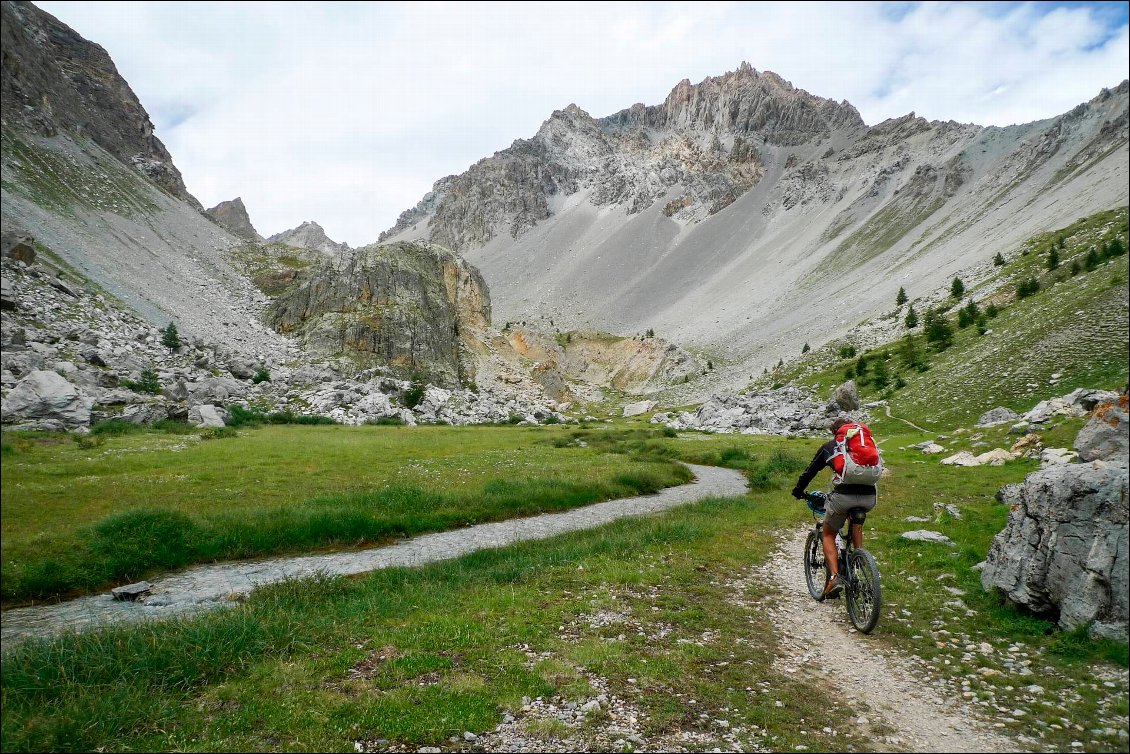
{"x":227,"y":583}
{"x":814,"y":639}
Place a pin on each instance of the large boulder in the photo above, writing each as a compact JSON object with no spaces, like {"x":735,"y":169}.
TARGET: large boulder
{"x":845,"y":398}
{"x":1064,"y":550}
{"x":18,"y":246}
{"x":48,"y":401}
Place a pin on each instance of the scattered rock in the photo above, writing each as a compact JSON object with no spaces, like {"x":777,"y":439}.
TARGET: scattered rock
{"x":996,"y":416}
{"x":845,"y":398}
{"x":131,"y":592}
{"x":47,"y":401}
{"x":925,"y":535}
{"x":641,"y":407}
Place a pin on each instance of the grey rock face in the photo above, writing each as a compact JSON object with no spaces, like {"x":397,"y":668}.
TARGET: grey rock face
{"x":47,"y":400}
{"x":1064,"y":549}
{"x":998,"y":415}
{"x":232,"y":215}
{"x":1107,"y":436}
{"x":408,"y":307}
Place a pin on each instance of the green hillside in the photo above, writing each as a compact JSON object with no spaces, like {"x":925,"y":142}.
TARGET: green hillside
{"x":1017,"y":348}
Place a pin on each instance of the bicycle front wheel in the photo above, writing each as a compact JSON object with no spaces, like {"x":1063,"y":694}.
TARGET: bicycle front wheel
{"x":814,"y":571}
{"x":864,"y":592}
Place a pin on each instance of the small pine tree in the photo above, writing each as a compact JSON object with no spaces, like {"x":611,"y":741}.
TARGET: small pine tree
{"x":937,"y":330}
{"x":1061,"y":241}
{"x":991,"y":311}
{"x":957,"y":288}
{"x":1114,"y":248}
{"x":710,"y":366}
{"x":1092,"y":260}
{"x":910,"y":353}
{"x":780,"y":363}
{"x":170,"y":338}
{"x":861,"y":365}
{"x":879,"y":376}
{"x":998,"y":260}
{"x":1076,"y":268}
{"x":1053,"y":259}
{"x":806,"y":349}
{"x":901,"y":298}
{"x":650,"y":333}
{"x":911,"y":318}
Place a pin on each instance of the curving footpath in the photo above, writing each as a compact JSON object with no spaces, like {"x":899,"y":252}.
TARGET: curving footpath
{"x":225,"y":584}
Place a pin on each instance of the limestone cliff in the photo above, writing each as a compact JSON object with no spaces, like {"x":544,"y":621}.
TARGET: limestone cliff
{"x":416,"y":308}
{"x":232,"y":215}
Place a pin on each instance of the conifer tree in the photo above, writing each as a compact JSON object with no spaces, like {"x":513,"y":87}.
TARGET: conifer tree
{"x":170,"y":338}
{"x":957,"y":288}
{"x":901,"y":298}
{"x":911,"y":318}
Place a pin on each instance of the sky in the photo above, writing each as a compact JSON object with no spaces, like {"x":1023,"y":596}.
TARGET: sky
{"x":347,"y":113}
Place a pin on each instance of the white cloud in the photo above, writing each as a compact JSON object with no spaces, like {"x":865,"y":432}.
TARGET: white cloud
{"x":345,"y":113}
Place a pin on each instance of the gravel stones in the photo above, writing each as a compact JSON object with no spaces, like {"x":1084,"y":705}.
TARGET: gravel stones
{"x":783,"y":411}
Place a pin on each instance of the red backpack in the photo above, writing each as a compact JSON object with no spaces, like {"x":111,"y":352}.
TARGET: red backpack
{"x":857,"y":459}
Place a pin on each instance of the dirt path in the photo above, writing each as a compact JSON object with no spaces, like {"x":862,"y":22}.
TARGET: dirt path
{"x":815,"y":635}
{"x":887,"y":409}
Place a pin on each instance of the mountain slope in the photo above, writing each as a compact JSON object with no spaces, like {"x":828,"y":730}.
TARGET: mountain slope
{"x":744,"y":217}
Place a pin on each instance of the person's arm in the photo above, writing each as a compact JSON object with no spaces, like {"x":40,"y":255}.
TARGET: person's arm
{"x":819,"y":461}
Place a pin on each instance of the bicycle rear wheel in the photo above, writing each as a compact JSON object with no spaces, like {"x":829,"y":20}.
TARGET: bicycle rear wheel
{"x":864,"y":592}
{"x":814,"y":572}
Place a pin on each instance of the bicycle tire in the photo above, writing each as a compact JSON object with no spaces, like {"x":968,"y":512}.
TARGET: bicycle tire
{"x":815,"y":574}
{"x":864,"y":591}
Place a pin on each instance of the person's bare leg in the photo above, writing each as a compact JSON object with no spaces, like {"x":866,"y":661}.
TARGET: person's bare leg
{"x":857,"y":535}
{"x":831,"y":557}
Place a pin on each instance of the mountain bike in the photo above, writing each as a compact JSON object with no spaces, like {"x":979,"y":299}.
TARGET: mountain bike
{"x":858,"y":570}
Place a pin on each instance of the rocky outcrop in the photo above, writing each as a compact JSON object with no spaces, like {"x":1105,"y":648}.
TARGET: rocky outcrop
{"x":232,"y":215}
{"x":412,"y":308}
{"x":1064,"y":550}
{"x":783,"y":411}
{"x":309,"y":235}
{"x":53,"y":80}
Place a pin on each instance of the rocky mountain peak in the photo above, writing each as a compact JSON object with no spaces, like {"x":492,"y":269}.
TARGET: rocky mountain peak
{"x":53,"y":80}
{"x":232,"y":216}
{"x":310,"y":235}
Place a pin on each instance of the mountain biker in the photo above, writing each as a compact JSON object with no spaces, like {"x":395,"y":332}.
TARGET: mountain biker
{"x":844,"y":497}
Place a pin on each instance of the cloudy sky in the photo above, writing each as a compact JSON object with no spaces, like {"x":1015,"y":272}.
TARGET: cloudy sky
{"x":346,"y":113}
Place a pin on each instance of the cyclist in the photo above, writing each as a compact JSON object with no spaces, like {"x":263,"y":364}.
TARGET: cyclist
{"x":844,"y":497}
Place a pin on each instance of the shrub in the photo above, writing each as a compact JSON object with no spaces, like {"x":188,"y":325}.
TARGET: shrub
{"x":147,"y":383}
{"x":806,"y":348}
{"x":114,"y":427}
{"x":219,"y":433}
{"x":1076,"y":268}
{"x":1053,"y":259}
{"x":1026,"y":288}
{"x":998,"y":260}
{"x":414,"y":394}
{"x":261,"y":376}
{"x":386,"y":421}
{"x":911,"y":318}
{"x":847,"y":352}
{"x":1114,"y":248}
{"x":551,"y":419}
{"x":514,"y":418}
{"x":991,"y":311}
{"x":957,"y":288}
{"x":170,"y":338}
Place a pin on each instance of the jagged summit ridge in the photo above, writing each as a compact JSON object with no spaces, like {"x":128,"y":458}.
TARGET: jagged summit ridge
{"x":310,"y":235}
